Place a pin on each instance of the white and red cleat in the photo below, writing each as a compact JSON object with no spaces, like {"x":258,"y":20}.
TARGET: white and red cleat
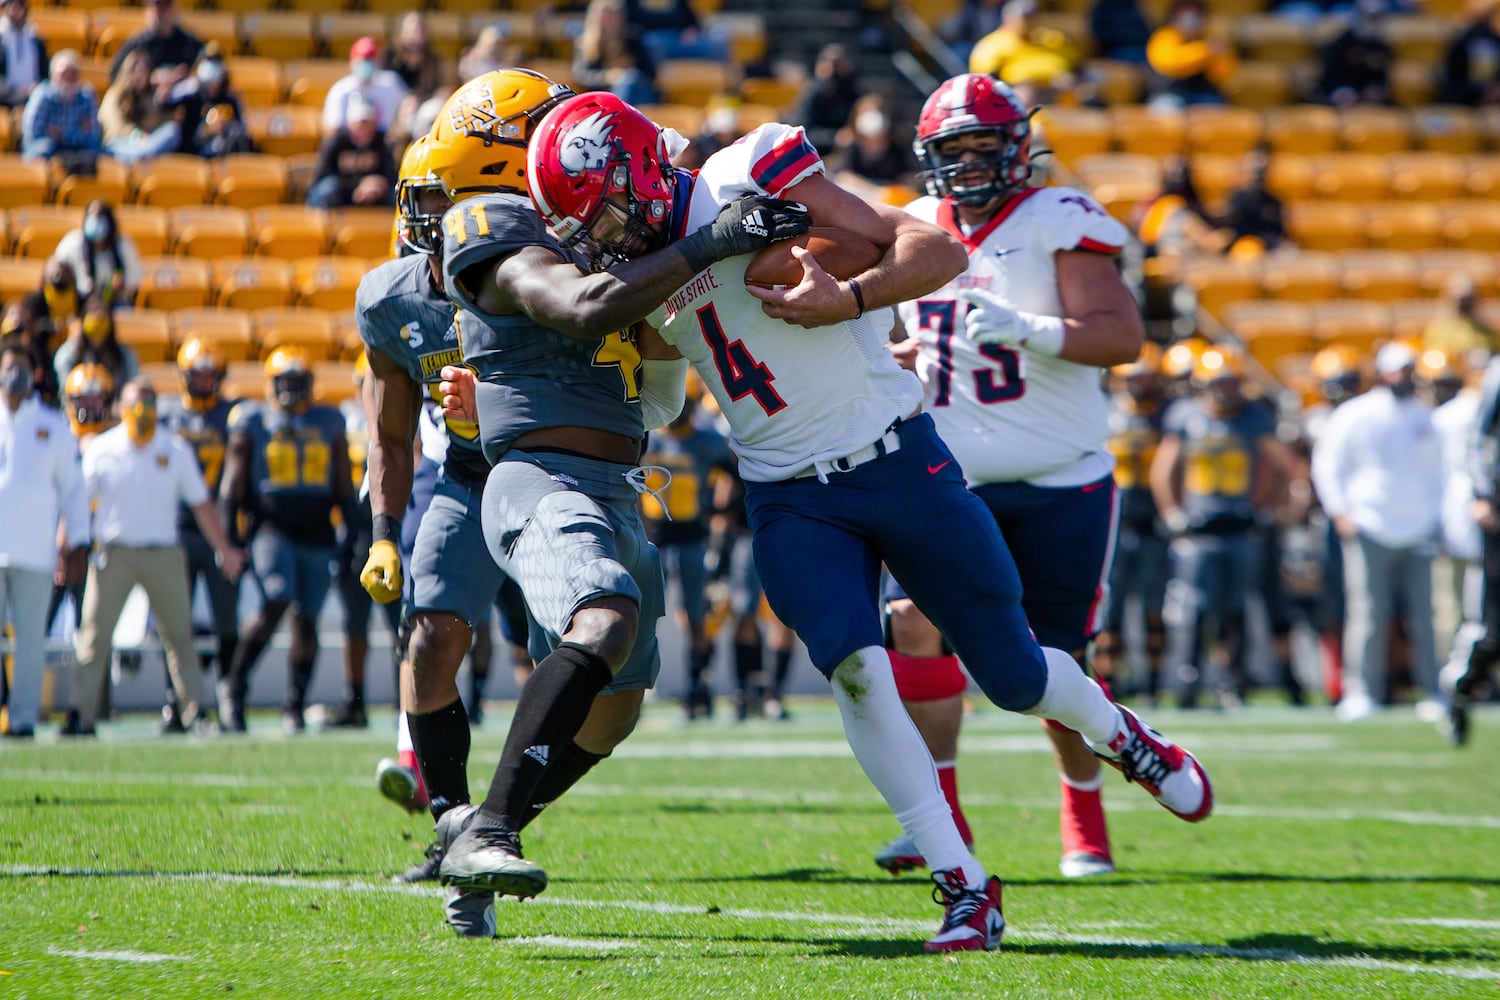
{"x":972,"y":920}
{"x":1171,"y":774}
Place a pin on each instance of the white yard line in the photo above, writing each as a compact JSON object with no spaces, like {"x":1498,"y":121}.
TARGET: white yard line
{"x":134,"y":957}
{"x":1456,"y":923}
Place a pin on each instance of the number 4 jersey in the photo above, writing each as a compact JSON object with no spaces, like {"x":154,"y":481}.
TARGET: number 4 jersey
{"x":1007,"y":415}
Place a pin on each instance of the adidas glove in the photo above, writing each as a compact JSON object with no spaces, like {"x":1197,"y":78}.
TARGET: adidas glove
{"x":992,"y":320}
{"x":381,"y":576}
{"x":750,"y":223}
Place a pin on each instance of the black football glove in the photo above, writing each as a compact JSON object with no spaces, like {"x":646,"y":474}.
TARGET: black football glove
{"x":748,"y":224}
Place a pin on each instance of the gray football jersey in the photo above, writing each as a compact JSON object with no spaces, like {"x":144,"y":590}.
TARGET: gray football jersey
{"x":404,"y":317}
{"x":529,"y":376}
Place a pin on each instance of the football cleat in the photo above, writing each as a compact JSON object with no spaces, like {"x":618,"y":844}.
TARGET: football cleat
{"x":347,"y":716}
{"x":1455,"y":725}
{"x":901,"y":855}
{"x":485,"y":858}
{"x":972,"y":919}
{"x":292,"y":721}
{"x":400,"y":784}
{"x":470,"y":914}
{"x":231,"y":708}
{"x":425,"y":870}
{"x":1171,"y":774}
{"x":1079,"y":864}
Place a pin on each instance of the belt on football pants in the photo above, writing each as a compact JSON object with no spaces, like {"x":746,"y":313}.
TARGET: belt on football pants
{"x":888,"y":442}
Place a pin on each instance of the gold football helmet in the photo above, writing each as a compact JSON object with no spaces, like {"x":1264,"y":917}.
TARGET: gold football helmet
{"x":289,"y":378}
{"x":1216,"y":364}
{"x":86,"y":396}
{"x":202,"y":370}
{"x":478,"y":143}
{"x":420,"y":199}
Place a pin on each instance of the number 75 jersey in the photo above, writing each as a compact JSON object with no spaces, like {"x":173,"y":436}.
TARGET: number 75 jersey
{"x":1009,"y":415}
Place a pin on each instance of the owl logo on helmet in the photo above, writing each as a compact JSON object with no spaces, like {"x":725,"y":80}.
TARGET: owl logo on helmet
{"x":991,"y":166}
{"x":586,"y":144}
{"x":289,"y":378}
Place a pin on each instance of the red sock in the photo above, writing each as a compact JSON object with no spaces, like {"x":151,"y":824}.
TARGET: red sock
{"x":948,"y":778}
{"x":1084,"y":830}
{"x":408,"y":758}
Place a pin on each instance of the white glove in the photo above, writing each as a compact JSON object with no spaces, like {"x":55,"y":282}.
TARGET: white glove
{"x":992,"y":320}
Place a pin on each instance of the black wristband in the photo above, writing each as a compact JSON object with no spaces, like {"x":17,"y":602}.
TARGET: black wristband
{"x":386,"y":529}
{"x":696,"y":249}
{"x":859,"y":296}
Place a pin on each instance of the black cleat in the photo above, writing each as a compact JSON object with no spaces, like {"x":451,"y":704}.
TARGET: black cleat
{"x":425,"y":870}
{"x":350,"y":715}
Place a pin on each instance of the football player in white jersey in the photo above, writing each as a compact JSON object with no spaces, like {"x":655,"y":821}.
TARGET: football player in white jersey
{"x":836,"y":455}
{"x":1009,"y":354}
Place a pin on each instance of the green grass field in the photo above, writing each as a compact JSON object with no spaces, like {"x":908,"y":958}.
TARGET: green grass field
{"x":734,"y":861}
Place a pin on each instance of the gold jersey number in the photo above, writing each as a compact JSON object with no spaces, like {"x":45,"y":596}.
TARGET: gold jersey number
{"x":1220,"y":469}
{"x":618,"y":350}
{"x":300,"y":460}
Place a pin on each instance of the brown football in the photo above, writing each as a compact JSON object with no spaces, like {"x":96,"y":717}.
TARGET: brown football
{"x":839,"y":252}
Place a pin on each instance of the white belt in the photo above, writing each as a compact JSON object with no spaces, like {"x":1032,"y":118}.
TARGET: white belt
{"x":888,"y":442}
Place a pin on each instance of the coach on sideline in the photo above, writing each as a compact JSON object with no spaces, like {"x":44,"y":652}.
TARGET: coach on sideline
{"x":136,"y":474}
{"x":40,"y":480}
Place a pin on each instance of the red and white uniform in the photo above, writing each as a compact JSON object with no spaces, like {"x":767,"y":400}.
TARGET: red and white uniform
{"x":793,"y":397}
{"x":1009,"y":415}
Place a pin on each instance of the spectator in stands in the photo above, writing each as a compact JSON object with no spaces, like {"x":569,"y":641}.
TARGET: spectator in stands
{"x":1254,"y":219}
{"x":1120,"y":30}
{"x":355,"y":165}
{"x":91,"y":340}
{"x":609,"y":57}
{"x":23,"y":56}
{"x":411,"y":57}
{"x":1377,"y":468}
{"x":1357,"y":64}
{"x":62,"y":117}
{"x":492,"y":50}
{"x":58,"y":294}
{"x":40,"y":482}
{"x":1193,"y":64}
{"x":974,"y":20}
{"x":825,"y":106}
{"x":1471,"y":69}
{"x":213,"y":122}
{"x":366,"y":84}
{"x":867,"y":148}
{"x":1023,"y":54}
{"x":172,"y":49}
{"x":137,"y":473}
{"x":1176,"y":223}
{"x":1459,"y":329}
{"x":27,"y":322}
{"x":670,"y":29}
{"x":103,"y":259}
{"x":136,"y":126}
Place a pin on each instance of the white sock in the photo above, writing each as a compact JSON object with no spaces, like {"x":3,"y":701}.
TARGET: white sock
{"x":403,"y":735}
{"x":897,"y":762}
{"x":1072,"y":698}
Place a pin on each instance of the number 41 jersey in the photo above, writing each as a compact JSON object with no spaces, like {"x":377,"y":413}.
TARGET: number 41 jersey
{"x":1009,"y":415}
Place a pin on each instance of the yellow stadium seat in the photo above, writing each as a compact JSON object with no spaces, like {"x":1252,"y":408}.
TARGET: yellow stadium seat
{"x":147,"y":332}
{"x":1270,"y":38}
{"x":1228,"y":131}
{"x":1290,"y":176}
{"x":20,"y":276}
{"x":231,"y":331}
{"x":220,"y":26}
{"x":171,"y":181}
{"x":249,"y":180}
{"x":1300,"y":275}
{"x":1356,"y":177}
{"x":23,"y":182}
{"x":109,"y":183}
{"x":339,"y":29}
{"x":146,"y":225}
{"x":1072,"y":133}
{"x":1413,"y":84}
{"x":558,"y":70}
{"x":174,"y":283}
{"x":1369,"y":129}
{"x":692,"y":81}
{"x":1271,"y":331}
{"x":112,"y":26}
{"x":1116,"y":81}
{"x":252,"y":283}
{"x":1427,"y":176}
{"x":361,"y":232}
{"x":1489,"y":314}
{"x":93,"y":71}
{"x":1410,"y":318}
{"x":1358,"y":324}
{"x":289,"y":231}
{"x":1379,"y":275}
{"x":1489,"y":124}
{"x":1139,"y":129}
{"x":1436,"y":267}
{"x":685,"y":118}
{"x":1218,"y":282}
{"x":209,"y":231}
{"x":346,"y":334}
{"x":256,"y":79}
{"x":1482,"y":175}
{"x":36,"y":229}
{"x":327,"y":283}
{"x":286,"y":129}
{"x":445,"y":33}
{"x":1215,"y":177}
{"x":1470,"y":224}
{"x":1326,"y":225}
{"x":246,"y":379}
{"x":279,"y":35}
{"x":300,"y":173}
{"x":751,"y":116}
{"x":333,"y":382}
{"x":1120,"y":181}
{"x":1302,"y":128}
{"x":60,"y":27}
{"x":1257,"y":84}
{"x":162,"y":376}
{"x":311,"y":329}
{"x":779,"y":93}
{"x":1445,"y":129}
{"x":1400,"y":225}
{"x":1419,"y":38}
{"x":309,"y":80}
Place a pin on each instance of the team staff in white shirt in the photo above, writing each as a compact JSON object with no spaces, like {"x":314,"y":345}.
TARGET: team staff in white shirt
{"x":136,"y":474}
{"x":40,"y":481}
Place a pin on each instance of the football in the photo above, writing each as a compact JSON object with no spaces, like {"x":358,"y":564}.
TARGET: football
{"x":841,"y":253}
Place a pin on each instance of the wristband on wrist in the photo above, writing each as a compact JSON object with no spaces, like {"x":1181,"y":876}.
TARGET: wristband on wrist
{"x":859,"y":296}
{"x":386,"y":529}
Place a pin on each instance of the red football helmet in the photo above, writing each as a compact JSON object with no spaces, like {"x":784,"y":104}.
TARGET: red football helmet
{"x":974,"y":104}
{"x":599,"y":174}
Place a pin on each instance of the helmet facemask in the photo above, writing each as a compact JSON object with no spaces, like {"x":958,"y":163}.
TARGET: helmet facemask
{"x":422,"y":204}
{"x":292,"y":389}
{"x":622,"y":225}
{"x":979,"y":177}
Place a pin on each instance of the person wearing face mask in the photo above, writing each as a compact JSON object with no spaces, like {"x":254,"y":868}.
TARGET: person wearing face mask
{"x":136,"y":474}
{"x":104,"y":261}
{"x":56,"y":300}
{"x":26,"y":321}
{"x":40,"y":482}
{"x":1378,"y":471}
{"x":91,"y":340}
{"x":366,"y":83}
{"x":866,"y":148}
{"x":62,"y":116}
{"x":213,"y":120}
{"x":1218,"y":466}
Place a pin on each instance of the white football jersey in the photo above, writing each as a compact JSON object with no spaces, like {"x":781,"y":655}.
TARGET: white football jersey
{"x":1455,"y":422}
{"x":1009,"y":415}
{"x":792,"y":397}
